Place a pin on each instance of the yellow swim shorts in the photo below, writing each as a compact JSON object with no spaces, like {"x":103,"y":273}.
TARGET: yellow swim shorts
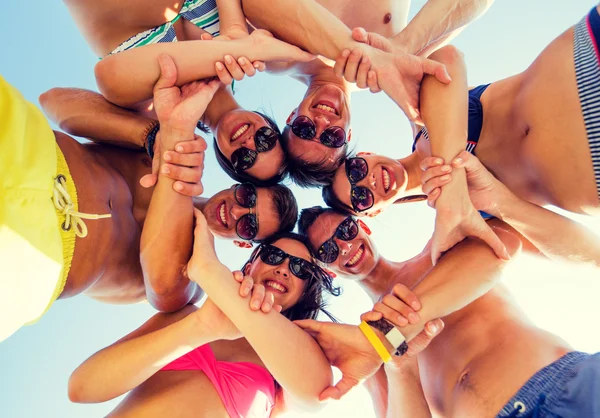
{"x":35,"y":253}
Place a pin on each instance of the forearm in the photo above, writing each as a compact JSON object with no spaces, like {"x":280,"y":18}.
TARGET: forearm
{"x":406,"y":397}
{"x":444,"y":109}
{"x":167,"y":241}
{"x":291,"y":355}
{"x":304,"y":23}
{"x":542,"y":227}
{"x":88,"y":114}
{"x":438,"y":19}
{"x":129,"y":77}
{"x":231,"y":15}
{"x":123,"y":366}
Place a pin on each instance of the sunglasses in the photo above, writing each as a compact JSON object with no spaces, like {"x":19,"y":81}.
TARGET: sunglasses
{"x":243,"y":158}
{"x":247,"y":226}
{"x":304,"y":128}
{"x":360,"y":197}
{"x":301,"y":268}
{"x":346,"y":231}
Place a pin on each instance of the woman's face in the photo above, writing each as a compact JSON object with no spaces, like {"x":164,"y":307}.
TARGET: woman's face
{"x":237,"y":129}
{"x":279,"y":280}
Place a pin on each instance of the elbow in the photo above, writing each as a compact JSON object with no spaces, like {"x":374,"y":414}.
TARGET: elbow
{"x":77,"y":390}
{"x":108,"y":80}
{"x":48,"y":97}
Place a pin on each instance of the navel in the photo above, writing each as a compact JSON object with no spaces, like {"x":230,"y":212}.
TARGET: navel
{"x":387,"y":18}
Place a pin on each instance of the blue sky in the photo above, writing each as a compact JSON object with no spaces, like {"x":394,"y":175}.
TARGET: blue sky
{"x":43,"y":49}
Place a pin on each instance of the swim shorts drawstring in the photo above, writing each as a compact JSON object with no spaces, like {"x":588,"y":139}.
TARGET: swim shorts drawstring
{"x":62,"y":202}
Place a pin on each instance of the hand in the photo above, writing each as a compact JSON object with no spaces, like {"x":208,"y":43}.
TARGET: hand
{"x":418,"y":344}
{"x":276,"y":50}
{"x":260,"y":298}
{"x":458,"y":219}
{"x":399,"y":307}
{"x":185,"y":165}
{"x":230,"y":69}
{"x":346,"y":348}
{"x":179,"y":109}
{"x":211,"y":320}
{"x":204,"y":258}
{"x":485,"y":191}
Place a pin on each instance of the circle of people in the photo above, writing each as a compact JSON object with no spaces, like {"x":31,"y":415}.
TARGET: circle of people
{"x":123,"y":218}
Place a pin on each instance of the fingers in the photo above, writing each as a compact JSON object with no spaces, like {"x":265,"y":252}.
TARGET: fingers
{"x":363,"y":73}
{"x":373,"y":39}
{"x":149,"y":180}
{"x":340,"y":389}
{"x":432,"y":197}
{"x":436,"y":69}
{"x":246,"y":286}
{"x":430,"y":162}
{"x":309,"y":325}
{"x":422,"y":340}
{"x":238,"y":276}
{"x":435,"y":172}
{"x":372,"y":82}
{"x":186,"y":160}
{"x":168,"y":72}
{"x":436,"y":182}
{"x":352,"y":65}
{"x":180,"y":173}
{"x":223,"y":74}
{"x":268,"y":303}
{"x":407,"y":296}
{"x":340,"y":63}
{"x":188,"y":147}
{"x":247,"y":66}
{"x":258,"y":296}
{"x":371,"y":316}
{"x":496,"y":243}
{"x":467,"y":161}
{"x":234,"y":68}
{"x":259,"y":65}
{"x":360,"y":35}
{"x":188,"y":189}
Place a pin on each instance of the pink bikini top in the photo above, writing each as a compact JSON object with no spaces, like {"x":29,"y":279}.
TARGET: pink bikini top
{"x":246,"y":389}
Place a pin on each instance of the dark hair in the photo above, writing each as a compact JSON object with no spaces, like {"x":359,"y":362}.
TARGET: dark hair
{"x":311,"y":302}
{"x":286,"y":207}
{"x":331,"y":200}
{"x":308,"y":216}
{"x":244,"y":177}
{"x":309,"y":173}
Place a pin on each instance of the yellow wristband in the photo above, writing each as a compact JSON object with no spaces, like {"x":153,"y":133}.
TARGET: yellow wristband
{"x":375,"y":342}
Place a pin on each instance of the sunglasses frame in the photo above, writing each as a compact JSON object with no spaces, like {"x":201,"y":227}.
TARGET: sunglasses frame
{"x":332,"y":242}
{"x":252,"y":153}
{"x":251,"y":214}
{"x":354,"y":187}
{"x":314,"y":126}
{"x":293,"y":260}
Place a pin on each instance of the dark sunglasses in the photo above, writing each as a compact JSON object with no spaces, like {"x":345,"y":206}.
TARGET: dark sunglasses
{"x":304,"y":128}
{"x":360,"y":197}
{"x":247,"y":226}
{"x":243,"y":158}
{"x":301,"y":268}
{"x":346,"y":231}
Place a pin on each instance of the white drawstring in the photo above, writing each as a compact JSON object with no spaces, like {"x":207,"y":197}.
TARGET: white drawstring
{"x":63,"y":202}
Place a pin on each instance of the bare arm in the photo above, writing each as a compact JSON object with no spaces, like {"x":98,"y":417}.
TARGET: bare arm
{"x":130,"y":361}
{"x":404,"y":384}
{"x":88,"y":114}
{"x":231,"y":17}
{"x":128,"y":77}
{"x":437,"y":22}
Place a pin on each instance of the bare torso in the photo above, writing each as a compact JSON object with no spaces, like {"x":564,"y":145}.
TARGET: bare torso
{"x":184,"y":394}
{"x":106,"y":263}
{"x":487,"y":351}
{"x":534,"y":138}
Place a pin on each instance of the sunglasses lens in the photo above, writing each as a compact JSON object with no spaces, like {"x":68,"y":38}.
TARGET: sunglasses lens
{"x":243,"y":158}
{"x":265,"y":139}
{"x":348,"y":230}
{"x":328,"y":252}
{"x":304,"y":128}
{"x":272,"y":255}
{"x":247,"y":227}
{"x":245,"y":194}
{"x":361,"y":198}
{"x":356,"y":169}
{"x":300,"y":268}
{"x":333,"y":137}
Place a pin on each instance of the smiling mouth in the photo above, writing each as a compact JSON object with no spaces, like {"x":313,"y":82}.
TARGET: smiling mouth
{"x":386,"y":180}
{"x":221,"y":214}
{"x":327,"y":107}
{"x":241,"y":130}
{"x":276,"y":286}
{"x":357,"y":258}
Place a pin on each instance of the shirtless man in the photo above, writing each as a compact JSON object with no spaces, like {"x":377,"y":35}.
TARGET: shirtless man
{"x":98,"y":257}
{"x":488,"y":361}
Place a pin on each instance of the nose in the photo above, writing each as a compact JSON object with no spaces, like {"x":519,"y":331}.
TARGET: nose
{"x":248,"y":142}
{"x":322,"y":122}
{"x":238,"y":211}
{"x":283,"y":269}
{"x":344,"y":246}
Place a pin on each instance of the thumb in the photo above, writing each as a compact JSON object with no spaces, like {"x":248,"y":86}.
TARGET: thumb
{"x":493,"y":241}
{"x":149,"y":180}
{"x":436,"y":69}
{"x":340,"y":389}
{"x":372,"y":39}
{"x":203,"y":238}
{"x":309,"y":325}
{"x":467,"y":161}
{"x":302,"y":56}
{"x":168,"y":72}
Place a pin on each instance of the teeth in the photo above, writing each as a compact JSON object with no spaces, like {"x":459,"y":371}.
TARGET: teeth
{"x":356,"y":257}
{"x":326,"y":108}
{"x":240,"y":131}
{"x":386,"y":180}
{"x":222,"y":214}
{"x":276,"y":286}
